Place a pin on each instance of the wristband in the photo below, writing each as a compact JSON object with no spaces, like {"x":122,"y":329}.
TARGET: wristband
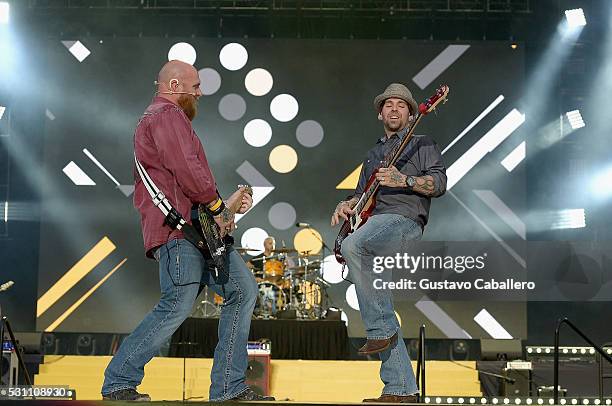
{"x":217,"y":208}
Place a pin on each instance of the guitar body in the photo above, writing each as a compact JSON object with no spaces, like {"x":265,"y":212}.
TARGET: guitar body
{"x":366,"y":204}
{"x":353,"y":223}
{"x":218,"y":246}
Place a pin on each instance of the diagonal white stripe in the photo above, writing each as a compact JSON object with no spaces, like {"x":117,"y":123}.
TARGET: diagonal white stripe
{"x":515,"y":157}
{"x":99,"y":165}
{"x":492,"y":326}
{"x":77,"y":176}
{"x":438,"y":65}
{"x":482,"y":115}
{"x":497,"y":238}
{"x":483,"y":146}
{"x":440,"y":318}
{"x":259,"y":193}
{"x":503,"y":211}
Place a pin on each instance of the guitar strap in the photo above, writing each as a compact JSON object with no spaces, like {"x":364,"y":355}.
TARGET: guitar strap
{"x":172,"y":217}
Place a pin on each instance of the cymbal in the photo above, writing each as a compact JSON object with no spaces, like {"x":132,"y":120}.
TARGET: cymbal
{"x":265,"y":258}
{"x":244,"y":249}
{"x":306,"y":254}
{"x":302,"y":268}
{"x":284,"y":250}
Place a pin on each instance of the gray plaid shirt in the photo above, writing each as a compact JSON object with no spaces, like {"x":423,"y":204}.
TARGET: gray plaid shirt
{"x":420,"y":157}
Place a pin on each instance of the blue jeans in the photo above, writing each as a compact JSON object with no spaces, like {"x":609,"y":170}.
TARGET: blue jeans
{"x":382,"y":235}
{"x":182,"y":271}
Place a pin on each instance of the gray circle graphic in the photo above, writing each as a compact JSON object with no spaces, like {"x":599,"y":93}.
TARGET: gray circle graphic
{"x":309,"y":133}
{"x":232,"y":107}
{"x":210,"y":81}
{"x":282,"y":215}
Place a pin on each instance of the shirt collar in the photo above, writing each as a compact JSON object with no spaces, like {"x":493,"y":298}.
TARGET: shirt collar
{"x":158,"y":99}
{"x":401,"y":134}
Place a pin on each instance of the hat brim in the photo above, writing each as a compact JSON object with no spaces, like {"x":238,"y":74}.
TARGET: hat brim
{"x":380,"y":99}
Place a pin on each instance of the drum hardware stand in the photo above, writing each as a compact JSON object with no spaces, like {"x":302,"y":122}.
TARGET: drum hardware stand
{"x":202,"y":308}
{"x":4,"y":323}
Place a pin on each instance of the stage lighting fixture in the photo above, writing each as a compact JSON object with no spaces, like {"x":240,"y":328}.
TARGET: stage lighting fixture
{"x":4,"y":12}
{"x":601,"y":186}
{"x":514,"y":45}
{"x":570,"y":218}
{"x":575,"y":18}
{"x":2,"y":110}
{"x":575,"y":119}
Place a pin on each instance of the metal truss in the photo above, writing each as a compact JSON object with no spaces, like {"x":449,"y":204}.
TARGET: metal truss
{"x":332,"y":6}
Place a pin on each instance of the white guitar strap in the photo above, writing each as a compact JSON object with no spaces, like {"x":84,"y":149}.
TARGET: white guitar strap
{"x":173,"y":218}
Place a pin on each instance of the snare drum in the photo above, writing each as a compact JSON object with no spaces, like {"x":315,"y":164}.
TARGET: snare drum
{"x":273,"y":270}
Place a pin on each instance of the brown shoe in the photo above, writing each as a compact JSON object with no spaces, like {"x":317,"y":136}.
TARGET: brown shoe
{"x":393,"y":399}
{"x":376,"y":346}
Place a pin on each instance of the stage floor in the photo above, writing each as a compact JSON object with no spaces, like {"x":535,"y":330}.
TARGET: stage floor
{"x":298,"y":381}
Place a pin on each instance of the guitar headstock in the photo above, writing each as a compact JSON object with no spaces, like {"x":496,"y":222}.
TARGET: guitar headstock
{"x":431,"y":103}
{"x":247,"y":189}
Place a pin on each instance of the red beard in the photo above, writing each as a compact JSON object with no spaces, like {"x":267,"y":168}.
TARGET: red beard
{"x":189,"y":104}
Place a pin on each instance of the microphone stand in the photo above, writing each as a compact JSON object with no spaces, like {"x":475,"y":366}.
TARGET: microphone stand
{"x":323,"y":246}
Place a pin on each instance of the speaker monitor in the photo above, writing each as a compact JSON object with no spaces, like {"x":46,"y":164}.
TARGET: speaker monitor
{"x":496,"y":349}
{"x":258,"y":373}
{"x":520,"y":384}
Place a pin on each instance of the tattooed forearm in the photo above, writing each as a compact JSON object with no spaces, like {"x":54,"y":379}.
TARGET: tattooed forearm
{"x":397,"y":179}
{"x":351,"y":203}
{"x":424,"y":185}
{"x":226,"y":215}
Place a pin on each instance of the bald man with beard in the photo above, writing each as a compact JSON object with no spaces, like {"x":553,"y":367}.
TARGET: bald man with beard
{"x":171,"y":153}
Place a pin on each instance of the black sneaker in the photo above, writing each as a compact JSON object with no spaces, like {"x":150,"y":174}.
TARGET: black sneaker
{"x":127,"y":394}
{"x":249,"y":394}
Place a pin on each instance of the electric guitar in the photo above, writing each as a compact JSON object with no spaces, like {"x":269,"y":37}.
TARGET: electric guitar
{"x":365,"y":206}
{"x":218,"y":246}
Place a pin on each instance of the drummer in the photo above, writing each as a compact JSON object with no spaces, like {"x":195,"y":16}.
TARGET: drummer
{"x":257,"y":262}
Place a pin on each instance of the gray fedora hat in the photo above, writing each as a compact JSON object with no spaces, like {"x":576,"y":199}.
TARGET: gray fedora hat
{"x":396,"y":90}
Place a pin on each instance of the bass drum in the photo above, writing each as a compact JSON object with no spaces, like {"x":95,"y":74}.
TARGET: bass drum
{"x":270,"y":300}
{"x":310,"y":295}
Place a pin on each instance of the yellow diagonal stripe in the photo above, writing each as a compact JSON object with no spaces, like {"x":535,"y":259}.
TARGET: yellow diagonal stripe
{"x":76,"y":304}
{"x":350,"y":182}
{"x":75,"y":274}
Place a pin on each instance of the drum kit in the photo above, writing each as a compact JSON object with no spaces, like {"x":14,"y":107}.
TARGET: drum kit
{"x":290,"y":284}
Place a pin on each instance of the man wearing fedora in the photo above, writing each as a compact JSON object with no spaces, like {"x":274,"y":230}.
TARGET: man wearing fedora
{"x":399,"y":217}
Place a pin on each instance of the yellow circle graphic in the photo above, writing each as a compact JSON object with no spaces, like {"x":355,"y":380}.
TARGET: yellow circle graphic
{"x":399,"y":319}
{"x":308,"y":239}
{"x":283,"y":159}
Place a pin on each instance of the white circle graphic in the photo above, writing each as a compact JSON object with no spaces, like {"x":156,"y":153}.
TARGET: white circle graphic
{"x":258,"y":82}
{"x":332,"y":270}
{"x":254,"y":238}
{"x":182,"y":51}
{"x":233,"y":56}
{"x":284,"y":107}
{"x":257,"y":132}
{"x":351,"y":297}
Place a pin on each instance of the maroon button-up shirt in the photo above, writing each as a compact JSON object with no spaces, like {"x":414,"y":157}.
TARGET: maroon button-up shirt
{"x":170,"y":151}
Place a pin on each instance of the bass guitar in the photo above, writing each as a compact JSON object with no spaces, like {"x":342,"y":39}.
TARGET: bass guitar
{"x":365,"y":206}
